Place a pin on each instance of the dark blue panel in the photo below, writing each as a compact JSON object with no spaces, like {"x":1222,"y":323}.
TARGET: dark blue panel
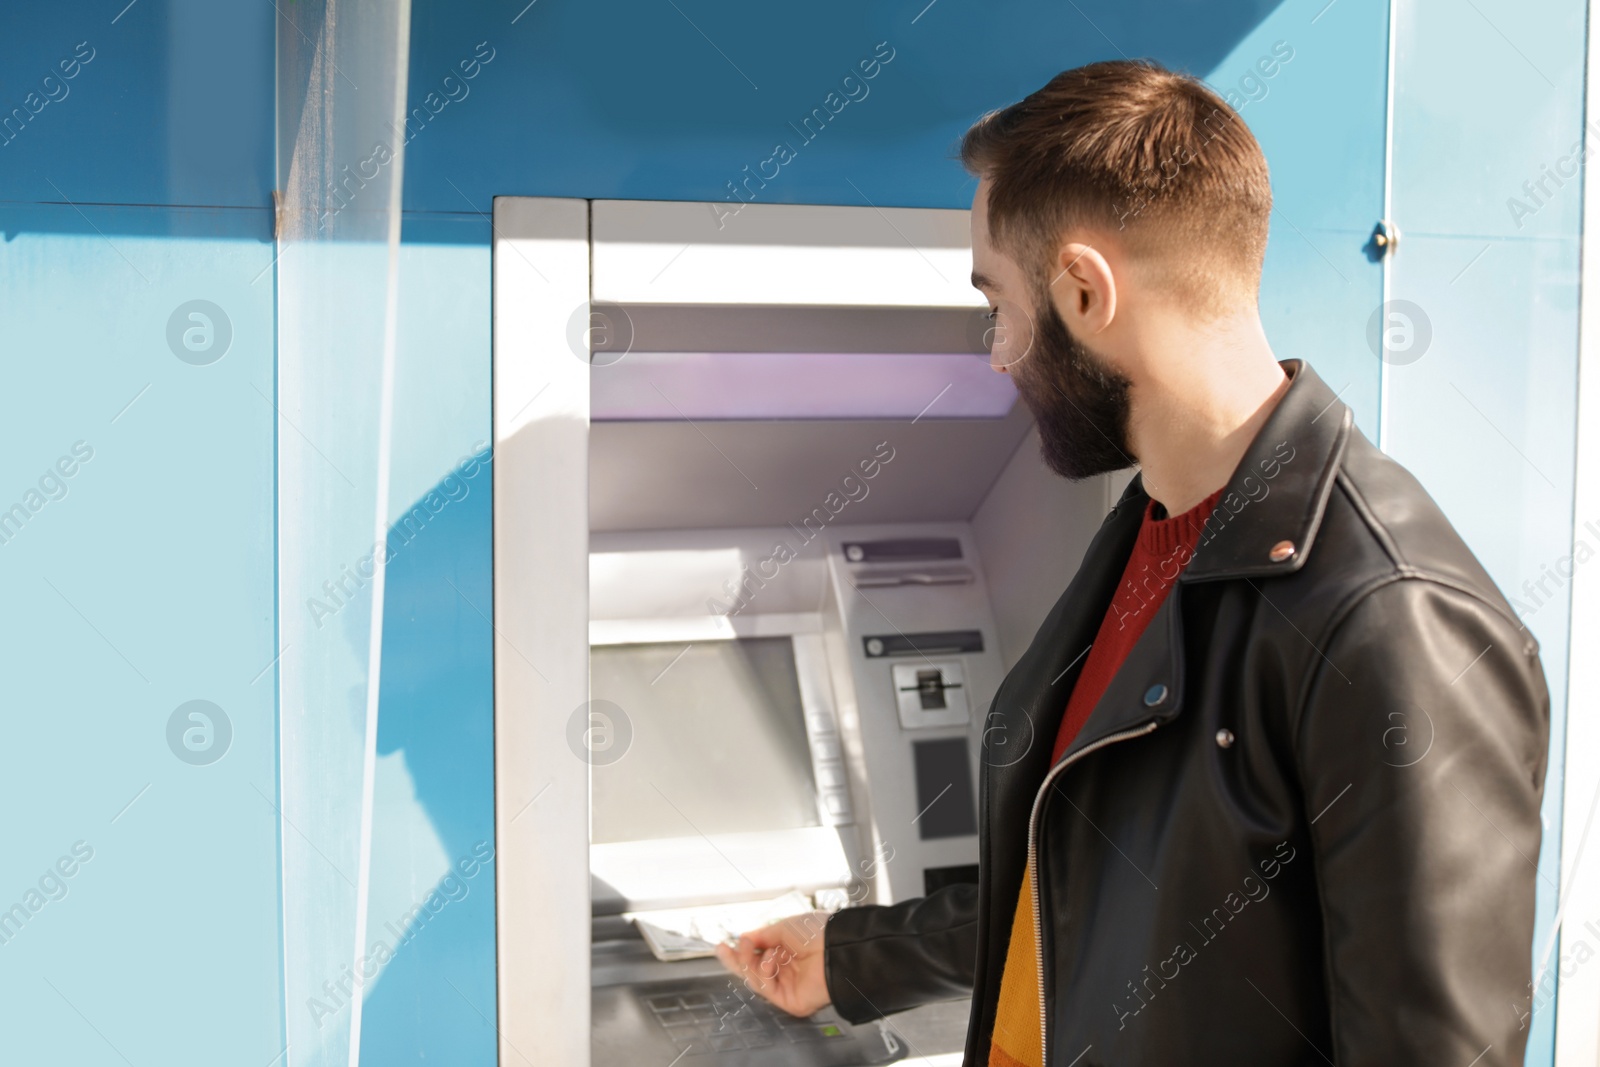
{"x":167,"y":102}
{"x":655,"y":100}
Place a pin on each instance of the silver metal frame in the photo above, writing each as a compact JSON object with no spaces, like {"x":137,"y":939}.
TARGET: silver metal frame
{"x":541,"y":652}
{"x":1578,"y":910}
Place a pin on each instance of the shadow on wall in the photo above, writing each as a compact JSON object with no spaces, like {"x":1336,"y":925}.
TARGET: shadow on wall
{"x":434,"y":1001}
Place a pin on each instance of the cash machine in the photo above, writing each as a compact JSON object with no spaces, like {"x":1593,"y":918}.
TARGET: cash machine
{"x":768,"y":533}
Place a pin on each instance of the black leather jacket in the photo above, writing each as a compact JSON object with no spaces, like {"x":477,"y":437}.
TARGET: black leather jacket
{"x":1300,"y":825}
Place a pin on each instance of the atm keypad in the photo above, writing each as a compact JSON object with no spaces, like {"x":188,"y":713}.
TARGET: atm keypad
{"x":702,"y":1023}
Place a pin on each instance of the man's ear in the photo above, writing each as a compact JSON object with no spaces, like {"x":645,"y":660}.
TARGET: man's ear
{"x":1083,"y":290}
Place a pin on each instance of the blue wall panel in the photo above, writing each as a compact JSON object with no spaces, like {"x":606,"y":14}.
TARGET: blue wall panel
{"x":1315,"y":67}
{"x":671,"y":102}
{"x":432,"y":897}
{"x":174,"y":104}
{"x":1488,"y":102}
{"x":141,"y":582}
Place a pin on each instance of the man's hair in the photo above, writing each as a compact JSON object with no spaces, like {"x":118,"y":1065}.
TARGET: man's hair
{"x":1129,"y":147}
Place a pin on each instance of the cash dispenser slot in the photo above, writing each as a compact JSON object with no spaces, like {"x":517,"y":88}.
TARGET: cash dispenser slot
{"x":891,"y":579}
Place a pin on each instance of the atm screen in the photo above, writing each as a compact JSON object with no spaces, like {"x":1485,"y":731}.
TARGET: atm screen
{"x":718,"y":740}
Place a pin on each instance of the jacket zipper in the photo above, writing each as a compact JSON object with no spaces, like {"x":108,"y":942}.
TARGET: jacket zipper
{"x":1033,"y":866}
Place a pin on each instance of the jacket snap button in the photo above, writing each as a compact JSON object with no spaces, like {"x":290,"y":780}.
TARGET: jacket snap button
{"x":1224,"y":738}
{"x":1155,"y":695}
{"x":1281,"y":551}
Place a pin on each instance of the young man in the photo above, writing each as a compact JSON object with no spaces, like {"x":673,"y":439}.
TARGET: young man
{"x":1292,"y":805}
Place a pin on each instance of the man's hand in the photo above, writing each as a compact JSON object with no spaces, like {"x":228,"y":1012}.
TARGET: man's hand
{"x":783,"y":963}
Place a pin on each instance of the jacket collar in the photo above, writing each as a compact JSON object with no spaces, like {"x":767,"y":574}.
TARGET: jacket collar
{"x":1277,"y":493}
{"x":1274,"y":500}
{"x":1268,"y":516}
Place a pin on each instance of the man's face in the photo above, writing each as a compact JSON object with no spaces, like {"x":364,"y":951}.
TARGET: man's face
{"x":1079,"y":402}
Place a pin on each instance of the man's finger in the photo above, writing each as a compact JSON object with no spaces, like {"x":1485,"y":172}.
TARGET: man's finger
{"x":745,"y":959}
{"x":773,"y":960}
{"x":764,"y":937}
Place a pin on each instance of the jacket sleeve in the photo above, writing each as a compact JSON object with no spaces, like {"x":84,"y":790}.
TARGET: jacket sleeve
{"x":1422,"y":748}
{"x":881,"y":959}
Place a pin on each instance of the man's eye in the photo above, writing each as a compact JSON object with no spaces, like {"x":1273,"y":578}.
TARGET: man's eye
{"x":993,"y":312}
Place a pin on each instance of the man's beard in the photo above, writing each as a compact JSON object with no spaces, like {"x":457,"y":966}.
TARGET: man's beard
{"x":1080,"y":404}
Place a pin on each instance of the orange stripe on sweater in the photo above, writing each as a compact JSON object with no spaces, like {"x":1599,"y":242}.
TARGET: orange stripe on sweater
{"x":1017,"y":1041}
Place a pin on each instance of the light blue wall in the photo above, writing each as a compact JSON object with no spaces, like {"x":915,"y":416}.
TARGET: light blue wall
{"x":1487,"y":98}
{"x":1315,"y":67}
{"x":151,"y":583}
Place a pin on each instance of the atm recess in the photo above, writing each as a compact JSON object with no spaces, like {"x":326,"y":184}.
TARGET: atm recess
{"x":813,"y":349}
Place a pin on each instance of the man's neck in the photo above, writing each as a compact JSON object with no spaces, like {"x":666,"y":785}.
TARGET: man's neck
{"x":1194,"y":416}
